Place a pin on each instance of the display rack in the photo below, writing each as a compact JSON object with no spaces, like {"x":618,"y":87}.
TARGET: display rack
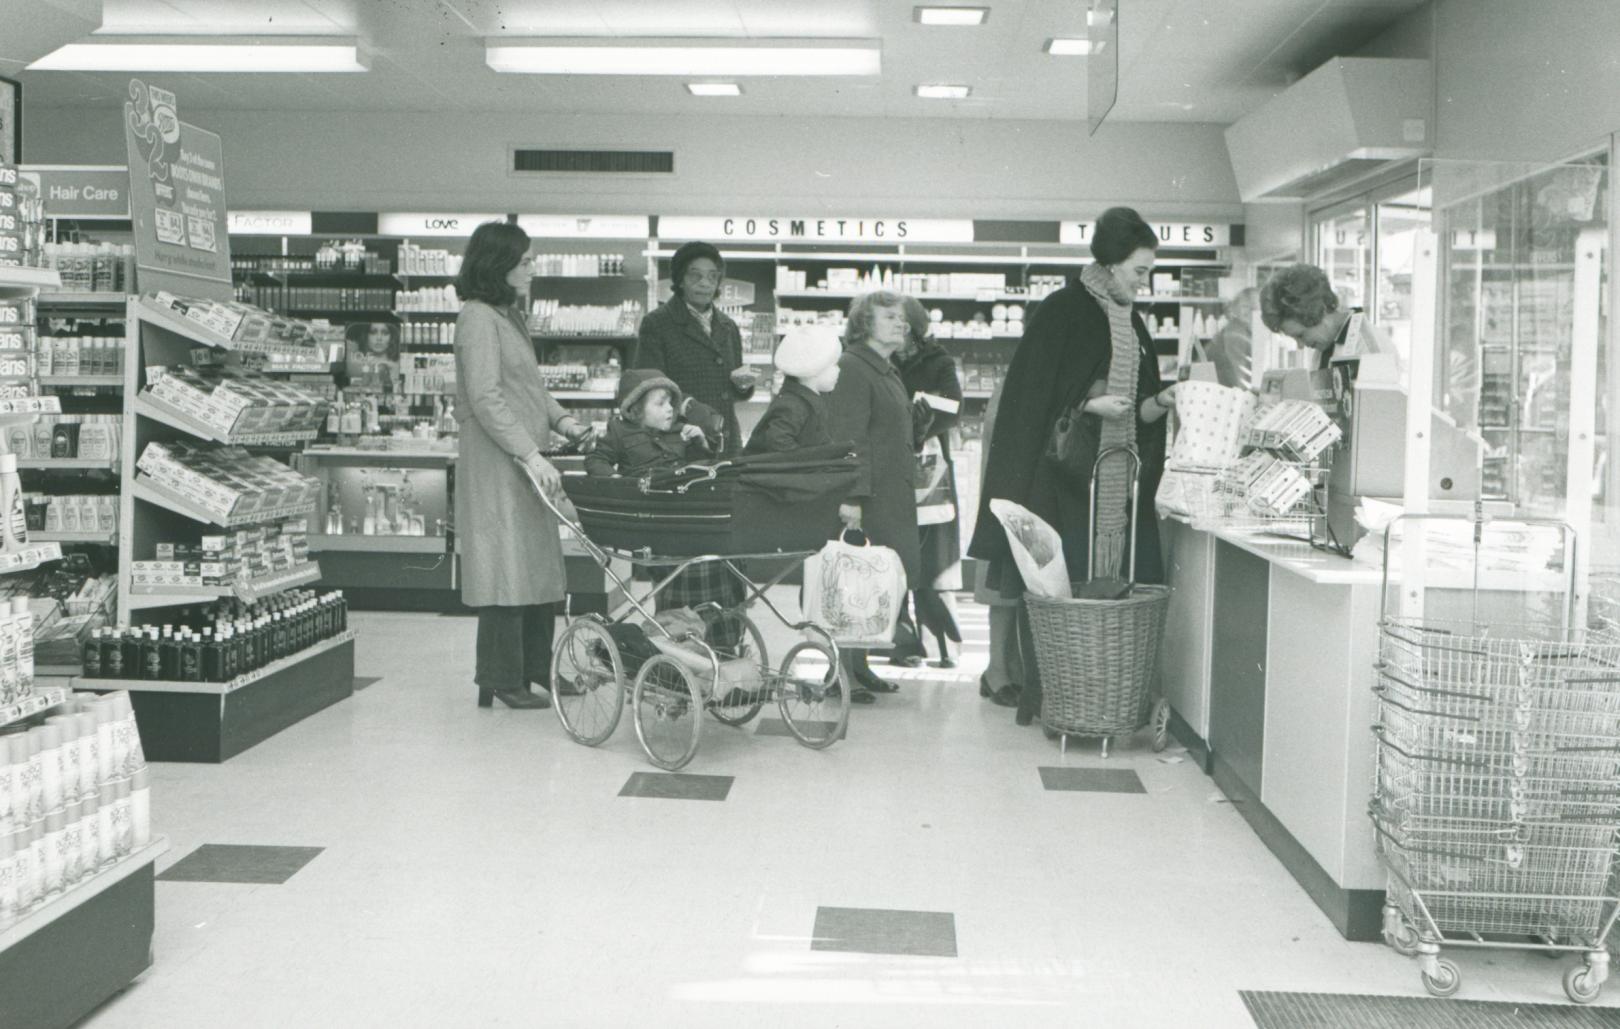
{"x":303,"y":683}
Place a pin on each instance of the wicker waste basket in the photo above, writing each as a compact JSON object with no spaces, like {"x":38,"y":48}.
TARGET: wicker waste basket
{"x":1097,"y":660}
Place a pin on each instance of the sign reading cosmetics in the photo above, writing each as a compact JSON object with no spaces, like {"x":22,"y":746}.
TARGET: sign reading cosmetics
{"x":817,"y":229}
{"x":176,"y":197}
{"x":428,"y":224}
{"x":270,"y":223}
{"x":1171,"y":234}
{"x":82,"y":190}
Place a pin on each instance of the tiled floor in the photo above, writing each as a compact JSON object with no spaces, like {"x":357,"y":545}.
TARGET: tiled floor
{"x":480,"y":869}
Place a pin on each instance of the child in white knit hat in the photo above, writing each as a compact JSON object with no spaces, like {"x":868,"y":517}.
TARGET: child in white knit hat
{"x":797,"y":418}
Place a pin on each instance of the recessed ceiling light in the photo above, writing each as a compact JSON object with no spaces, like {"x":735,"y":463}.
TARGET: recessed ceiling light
{"x":714,"y":89}
{"x":951,"y":15}
{"x":305,"y":54}
{"x":944,"y":92}
{"x":687,"y":57}
{"x":1068,"y":47}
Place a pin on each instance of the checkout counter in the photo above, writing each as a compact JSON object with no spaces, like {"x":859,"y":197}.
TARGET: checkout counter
{"x":1268,"y":658}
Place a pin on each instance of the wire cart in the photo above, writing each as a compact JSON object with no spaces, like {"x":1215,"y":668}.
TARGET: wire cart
{"x":596,"y":669}
{"x":1496,"y":800}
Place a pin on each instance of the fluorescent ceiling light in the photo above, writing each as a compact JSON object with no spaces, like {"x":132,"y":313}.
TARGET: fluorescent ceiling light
{"x":714,"y":89}
{"x":1068,"y":47}
{"x":206,"y":54}
{"x":944,"y":92}
{"x":951,"y":15}
{"x":686,"y":57}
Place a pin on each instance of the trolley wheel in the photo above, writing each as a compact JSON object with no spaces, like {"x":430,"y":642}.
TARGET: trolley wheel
{"x":1161,"y":725}
{"x":752,"y":648}
{"x":812,"y":696}
{"x":1446,"y":979}
{"x":588,"y":687}
{"x":1581,"y":986}
{"x":669,"y":712}
{"x":1402,"y":939}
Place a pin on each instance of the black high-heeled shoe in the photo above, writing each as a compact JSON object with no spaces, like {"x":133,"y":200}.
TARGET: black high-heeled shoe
{"x":518,"y":700}
{"x":869,"y":679}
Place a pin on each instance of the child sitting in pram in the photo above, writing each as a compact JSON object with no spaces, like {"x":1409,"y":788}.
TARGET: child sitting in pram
{"x":654,"y":428}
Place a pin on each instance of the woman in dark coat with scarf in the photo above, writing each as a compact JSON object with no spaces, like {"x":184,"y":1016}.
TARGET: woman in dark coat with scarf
{"x":1083,"y":344}
{"x":926,"y":368}
{"x":870,"y":407}
{"x":699,"y":348}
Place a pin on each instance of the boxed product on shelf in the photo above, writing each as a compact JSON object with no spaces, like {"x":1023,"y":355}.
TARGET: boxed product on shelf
{"x":75,"y":797}
{"x":229,"y":401}
{"x":249,"y":328}
{"x":565,"y":377}
{"x":59,"y":512}
{"x":227,"y":482}
{"x":219,"y":560}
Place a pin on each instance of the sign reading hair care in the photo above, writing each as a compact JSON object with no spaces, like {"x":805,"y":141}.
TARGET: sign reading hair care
{"x":818,"y":230}
{"x":580,"y":226}
{"x":1171,"y":234}
{"x":444,"y":224}
{"x":176,"y":197}
{"x":270,"y":223}
{"x":81,"y":191}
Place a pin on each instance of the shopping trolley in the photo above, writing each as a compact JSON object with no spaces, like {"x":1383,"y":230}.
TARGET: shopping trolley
{"x":1097,"y":657}
{"x":670,"y":676}
{"x":1496,"y":794}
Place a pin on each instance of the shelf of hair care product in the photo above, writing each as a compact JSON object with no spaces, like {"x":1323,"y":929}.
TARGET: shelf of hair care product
{"x":29,"y":556}
{"x":23,"y":283}
{"x":41,"y":699}
{"x":290,"y":417}
{"x":88,"y":464}
{"x":109,"y":538}
{"x":228,"y":326}
{"x":155,"y":493}
{"x":82,"y":299}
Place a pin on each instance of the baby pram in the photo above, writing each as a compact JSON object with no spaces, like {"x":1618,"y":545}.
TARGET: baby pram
{"x":748,"y":513}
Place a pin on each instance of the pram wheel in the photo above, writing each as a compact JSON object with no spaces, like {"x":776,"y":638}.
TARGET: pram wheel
{"x":751,"y":647}
{"x":587,"y":682}
{"x":668,"y":706}
{"x":1161,"y":725}
{"x":805,"y":695}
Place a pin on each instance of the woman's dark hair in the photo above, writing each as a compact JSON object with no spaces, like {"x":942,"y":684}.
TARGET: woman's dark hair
{"x":494,"y":250}
{"x":1299,"y":293}
{"x":688,"y":253}
{"x":1119,"y":233}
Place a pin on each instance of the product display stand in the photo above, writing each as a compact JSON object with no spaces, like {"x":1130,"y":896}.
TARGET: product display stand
{"x":204,"y":721}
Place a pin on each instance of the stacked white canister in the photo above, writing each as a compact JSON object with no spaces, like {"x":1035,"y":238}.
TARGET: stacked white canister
{"x":74,"y":799}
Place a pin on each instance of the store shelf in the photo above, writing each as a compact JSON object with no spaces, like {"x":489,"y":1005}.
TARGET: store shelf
{"x":81,"y":894}
{"x":583,"y":338}
{"x":146,"y":597}
{"x":581,"y":395}
{"x":328,"y":313}
{"x":83,"y":684}
{"x":29,"y":556}
{"x":26,"y":282}
{"x":360,"y":544}
{"x":1172,"y":299}
{"x":28,"y":707}
{"x":160,"y":410}
{"x":851,"y":294}
{"x":169,"y":320}
{"x":404,"y":313}
{"x":152,"y":493}
{"x":106,"y":538}
{"x":81,"y":298}
{"x":83,"y":464}
{"x":374,"y":452}
{"x":85,"y":381}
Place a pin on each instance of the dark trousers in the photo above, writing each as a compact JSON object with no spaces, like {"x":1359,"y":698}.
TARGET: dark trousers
{"x":1029,"y":699}
{"x":514,"y":646}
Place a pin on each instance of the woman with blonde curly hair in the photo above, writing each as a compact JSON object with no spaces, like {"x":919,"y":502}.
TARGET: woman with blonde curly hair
{"x":870,"y":408}
{"x":1298,"y":301}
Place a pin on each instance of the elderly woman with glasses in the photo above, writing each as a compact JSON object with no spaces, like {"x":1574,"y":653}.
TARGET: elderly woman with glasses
{"x":871,"y":408}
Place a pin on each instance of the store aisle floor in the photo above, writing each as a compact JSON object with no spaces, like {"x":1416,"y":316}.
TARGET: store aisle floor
{"x":476,"y":869}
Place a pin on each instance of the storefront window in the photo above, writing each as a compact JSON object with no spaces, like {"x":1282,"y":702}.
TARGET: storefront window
{"x":1399,"y":221}
{"x":1344,"y":249}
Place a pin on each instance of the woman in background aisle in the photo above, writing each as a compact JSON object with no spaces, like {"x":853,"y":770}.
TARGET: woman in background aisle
{"x":1084,"y":346}
{"x":511,"y":554}
{"x":699,"y":348}
{"x":930,"y":378}
{"x":870,"y":408}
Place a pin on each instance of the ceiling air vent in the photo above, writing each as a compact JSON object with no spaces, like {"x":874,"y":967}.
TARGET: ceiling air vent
{"x":593,"y":162}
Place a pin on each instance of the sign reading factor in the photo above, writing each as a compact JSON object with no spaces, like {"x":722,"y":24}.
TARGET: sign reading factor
{"x":818,"y":230}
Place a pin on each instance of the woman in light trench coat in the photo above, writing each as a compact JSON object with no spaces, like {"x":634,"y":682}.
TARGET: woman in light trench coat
{"x":511,"y":555}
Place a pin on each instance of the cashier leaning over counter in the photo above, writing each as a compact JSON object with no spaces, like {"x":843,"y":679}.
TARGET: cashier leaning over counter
{"x":1299,"y":302}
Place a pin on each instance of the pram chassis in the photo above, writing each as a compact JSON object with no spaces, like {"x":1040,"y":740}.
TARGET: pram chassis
{"x":590,"y":684}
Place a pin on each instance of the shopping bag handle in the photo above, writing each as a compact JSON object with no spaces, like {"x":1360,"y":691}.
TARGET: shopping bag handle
{"x":863,"y":539}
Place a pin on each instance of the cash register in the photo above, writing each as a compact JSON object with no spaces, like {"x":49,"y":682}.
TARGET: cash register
{"x":1364,"y":396}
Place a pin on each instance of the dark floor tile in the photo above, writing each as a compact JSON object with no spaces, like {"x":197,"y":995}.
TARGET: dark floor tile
{"x":362,"y":681}
{"x":777,"y":727}
{"x":672,"y":786}
{"x":1350,"y":1011}
{"x":876,"y":931}
{"x":1092,"y":780}
{"x":224,"y":863}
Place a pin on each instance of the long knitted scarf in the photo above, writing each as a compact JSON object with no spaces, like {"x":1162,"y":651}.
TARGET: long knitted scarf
{"x":1112,"y":513}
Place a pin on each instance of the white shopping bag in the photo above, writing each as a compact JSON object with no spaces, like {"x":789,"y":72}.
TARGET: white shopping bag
{"x":1037,"y":549}
{"x":1211,"y":423}
{"x":854,"y":593}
